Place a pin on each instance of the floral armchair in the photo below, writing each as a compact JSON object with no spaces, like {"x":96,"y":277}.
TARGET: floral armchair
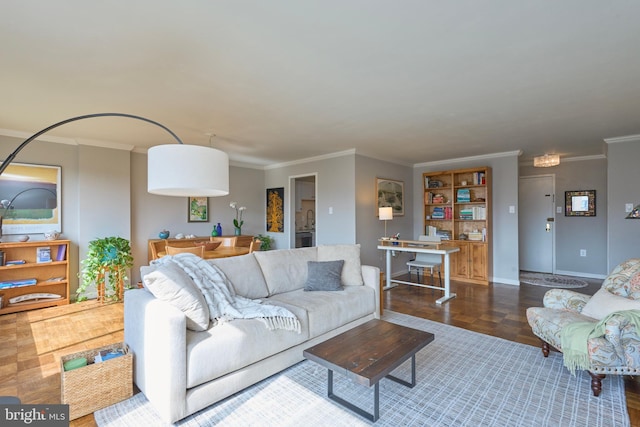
{"x":615,"y":308}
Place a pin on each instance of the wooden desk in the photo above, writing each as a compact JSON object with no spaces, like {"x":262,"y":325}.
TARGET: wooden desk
{"x":422,"y":247}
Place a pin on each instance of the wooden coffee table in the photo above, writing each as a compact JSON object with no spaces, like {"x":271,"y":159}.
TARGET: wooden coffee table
{"x":368,"y":353}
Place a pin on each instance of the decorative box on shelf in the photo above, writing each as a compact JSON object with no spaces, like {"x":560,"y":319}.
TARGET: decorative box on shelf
{"x":96,"y":385}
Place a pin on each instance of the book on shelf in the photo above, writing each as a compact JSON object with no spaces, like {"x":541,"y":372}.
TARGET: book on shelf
{"x":15,"y":262}
{"x":479,"y":178}
{"x":43,"y":254}
{"x":62,"y":253}
{"x":463,"y":195}
{"x":17,"y":283}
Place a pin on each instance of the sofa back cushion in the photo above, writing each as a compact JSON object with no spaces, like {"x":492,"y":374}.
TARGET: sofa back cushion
{"x":623,"y":281}
{"x":245,"y":275}
{"x":352,"y":268}
{"x":172,"y":284}
{"x":285,"y":270}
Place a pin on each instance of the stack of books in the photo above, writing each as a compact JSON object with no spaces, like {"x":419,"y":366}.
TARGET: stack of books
{"x":464,"y":195}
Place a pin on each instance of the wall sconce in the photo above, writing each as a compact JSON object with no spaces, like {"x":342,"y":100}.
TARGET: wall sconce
{"x":385,"y":214}
{"x":546,"y":161}
{"x":634,"y":214}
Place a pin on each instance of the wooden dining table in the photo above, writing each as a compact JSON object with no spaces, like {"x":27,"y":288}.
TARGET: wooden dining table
{"x":220,"y":252}
{"x":225,"y":252}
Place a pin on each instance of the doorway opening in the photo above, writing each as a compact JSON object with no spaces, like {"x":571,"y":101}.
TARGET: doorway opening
{"x":304,"y":212}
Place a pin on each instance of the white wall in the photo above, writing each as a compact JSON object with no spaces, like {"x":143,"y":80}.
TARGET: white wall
{"x":623,"y":177}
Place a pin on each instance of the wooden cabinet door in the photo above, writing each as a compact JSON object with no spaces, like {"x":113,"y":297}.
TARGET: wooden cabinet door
{"x":460,"y":261}
{"x":478,"y":261}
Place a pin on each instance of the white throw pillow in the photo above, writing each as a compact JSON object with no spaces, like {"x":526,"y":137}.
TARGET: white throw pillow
{"x":603,"y":303}
{"x":352,"y":269}
{"x":170,"y":283}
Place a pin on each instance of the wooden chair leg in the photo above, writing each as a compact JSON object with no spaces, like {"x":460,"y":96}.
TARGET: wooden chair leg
{"x":545,"y":348}
{"x":596,"y":383}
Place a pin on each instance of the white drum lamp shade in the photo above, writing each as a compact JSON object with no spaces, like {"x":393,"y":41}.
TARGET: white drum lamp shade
{"x":187,"y":170}
{"x":385,"y":214}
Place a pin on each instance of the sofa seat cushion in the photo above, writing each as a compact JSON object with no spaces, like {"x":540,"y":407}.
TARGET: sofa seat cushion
{"x":245,"y":275}
{"x":328,"y":310}
{"x":230,"y":346}
{"x":546,"y":323}
{"x":285,"y":270}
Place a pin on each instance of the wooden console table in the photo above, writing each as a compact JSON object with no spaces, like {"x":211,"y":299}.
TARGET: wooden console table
{"x":422,"y":247}
{"x":158,"y":245}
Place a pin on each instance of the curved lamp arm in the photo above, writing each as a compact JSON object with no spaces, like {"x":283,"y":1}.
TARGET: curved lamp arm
{"x":13,"y":155}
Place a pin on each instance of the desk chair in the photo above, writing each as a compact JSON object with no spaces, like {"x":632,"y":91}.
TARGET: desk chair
{"x":430,"y":261}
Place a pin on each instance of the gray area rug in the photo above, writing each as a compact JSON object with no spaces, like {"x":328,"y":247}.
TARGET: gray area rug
{"x":463,"y":379}
{"x":551,"y":280}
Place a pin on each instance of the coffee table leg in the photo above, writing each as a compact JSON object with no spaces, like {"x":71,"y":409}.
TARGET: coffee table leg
{"x":376,"y":400}
{"x":411,"y":384}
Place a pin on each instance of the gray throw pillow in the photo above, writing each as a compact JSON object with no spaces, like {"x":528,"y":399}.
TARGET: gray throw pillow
{"x":324,"y":276}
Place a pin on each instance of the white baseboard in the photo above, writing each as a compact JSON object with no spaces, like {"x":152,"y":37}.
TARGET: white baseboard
{"x":505,"y":281}
{"x":578,"y":274}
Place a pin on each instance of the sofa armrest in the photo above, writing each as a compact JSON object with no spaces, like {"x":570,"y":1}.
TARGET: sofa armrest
{"x":624,"y":342}
{"x":371,"y":277}
{"x":565,"y":299}
{"x":155,"y":331}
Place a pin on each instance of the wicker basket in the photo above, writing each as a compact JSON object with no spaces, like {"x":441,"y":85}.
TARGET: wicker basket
{"x":96,"y":385}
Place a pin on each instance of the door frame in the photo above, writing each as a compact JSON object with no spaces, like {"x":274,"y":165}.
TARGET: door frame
{"x":292,"y":205}
{"x":555,"y":213}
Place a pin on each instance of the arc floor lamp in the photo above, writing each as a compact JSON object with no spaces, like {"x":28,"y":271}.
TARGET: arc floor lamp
{"x":172,"y":169}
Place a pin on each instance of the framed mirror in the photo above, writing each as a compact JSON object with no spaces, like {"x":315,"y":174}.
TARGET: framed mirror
{"x":580,"y":203}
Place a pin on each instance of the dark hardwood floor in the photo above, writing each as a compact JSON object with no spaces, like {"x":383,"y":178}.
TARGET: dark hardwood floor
{"x":32,"y":342}
{"x":498,"y":310}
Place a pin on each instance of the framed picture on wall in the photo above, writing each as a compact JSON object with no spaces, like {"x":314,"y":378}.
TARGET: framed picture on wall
{"x":390,"y":192}
{"x":30,"y":198}
{"x":275,"y":210}
{"x":198,"y":209}
{"x":580,"y":203}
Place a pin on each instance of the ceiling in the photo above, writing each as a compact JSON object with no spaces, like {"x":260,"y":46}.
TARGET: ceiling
{"x":277,"y":81}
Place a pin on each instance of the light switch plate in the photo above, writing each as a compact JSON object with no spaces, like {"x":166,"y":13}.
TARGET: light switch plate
{"x":512,"y":209}
{"x":558,"y":209}
{"x":628,"y":207}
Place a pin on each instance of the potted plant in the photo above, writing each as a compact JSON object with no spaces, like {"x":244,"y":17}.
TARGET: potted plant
{"x":267,"y":241}
{"x":106,"y":265}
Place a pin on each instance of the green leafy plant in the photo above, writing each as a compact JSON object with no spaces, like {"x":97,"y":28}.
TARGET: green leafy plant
{"x":266,"y":242}
{"x":108,"y":259}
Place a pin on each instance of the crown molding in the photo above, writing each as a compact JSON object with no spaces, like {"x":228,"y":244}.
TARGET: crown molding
{"x":45,"y":138}
{"x":471,"y":158}
{"x":628,"y":138}
{"x":349,"y":152}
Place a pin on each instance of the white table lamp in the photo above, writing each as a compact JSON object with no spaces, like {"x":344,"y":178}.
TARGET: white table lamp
{"x":385,"y":214}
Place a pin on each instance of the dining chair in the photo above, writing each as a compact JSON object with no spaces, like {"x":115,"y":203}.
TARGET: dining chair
{"x":255,"y":245}
{"x":226,"y":241}
{"x":430,"y":261}
{"x":196,"y":250}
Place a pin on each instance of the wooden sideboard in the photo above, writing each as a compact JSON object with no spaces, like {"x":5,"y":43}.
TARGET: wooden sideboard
{"x":158,"y":245}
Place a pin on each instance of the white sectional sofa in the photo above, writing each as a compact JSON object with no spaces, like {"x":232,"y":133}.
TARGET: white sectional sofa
{"x":181,"y":370}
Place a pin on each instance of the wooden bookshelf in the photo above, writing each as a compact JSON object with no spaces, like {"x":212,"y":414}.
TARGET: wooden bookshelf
{"x":457,"y":206}
{"x":51,"y":277}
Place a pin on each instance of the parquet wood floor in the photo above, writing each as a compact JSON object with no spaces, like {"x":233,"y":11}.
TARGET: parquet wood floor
{"x":34,"y":341}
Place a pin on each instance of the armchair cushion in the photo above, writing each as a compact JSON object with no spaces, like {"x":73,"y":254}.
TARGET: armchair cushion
{"x":603,"y":303}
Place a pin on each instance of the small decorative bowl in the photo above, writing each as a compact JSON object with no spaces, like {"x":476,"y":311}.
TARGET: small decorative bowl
{"x":23,"y":238}
{"x":164,"y":234}
{"x":51,"y":235}
{"x":209,"y":246}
